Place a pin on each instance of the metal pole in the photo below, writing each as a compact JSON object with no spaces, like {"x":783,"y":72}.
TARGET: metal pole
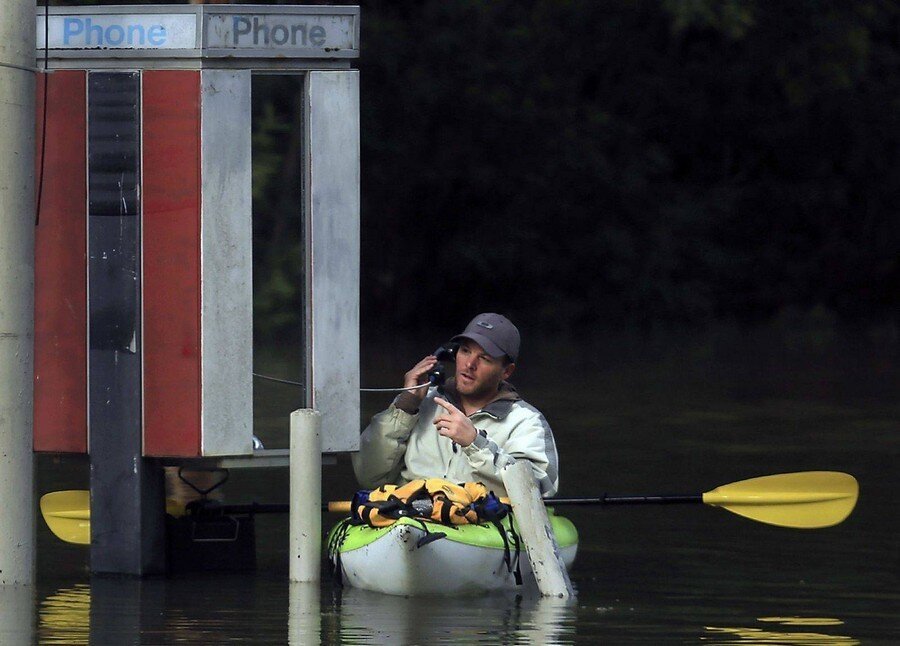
{"x":305,"y":536}
{"x":17,"y":217}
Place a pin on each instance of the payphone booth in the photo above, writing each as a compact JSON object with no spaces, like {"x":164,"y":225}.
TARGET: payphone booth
{"x":143,"y":303}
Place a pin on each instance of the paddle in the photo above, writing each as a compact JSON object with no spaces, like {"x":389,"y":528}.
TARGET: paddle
{"x":68,"y":513}
{"x":808,"y":500}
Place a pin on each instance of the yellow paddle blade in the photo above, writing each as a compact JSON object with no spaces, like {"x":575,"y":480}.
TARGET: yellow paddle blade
{"x":68,"y":514}
{"x":806,"y":500}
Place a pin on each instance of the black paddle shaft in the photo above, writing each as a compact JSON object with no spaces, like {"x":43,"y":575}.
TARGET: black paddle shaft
{"x":207,"y":510}
{"x":628,"y":500}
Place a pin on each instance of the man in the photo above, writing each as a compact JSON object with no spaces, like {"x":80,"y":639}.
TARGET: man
{"x":471,"y":431}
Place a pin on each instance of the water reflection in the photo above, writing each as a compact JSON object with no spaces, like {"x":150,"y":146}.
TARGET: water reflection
{"x":65,"y":616}
{"x":116,"y":610}
{"x":106,"y":611}
{"x":304,"y":614}
{"x":16,"y":614}
{"x":131,"y":611}
{"x":753,"y":635}
{"x":361,"y":617}
{"x":803,"y":621}
{"x":124,"y":608}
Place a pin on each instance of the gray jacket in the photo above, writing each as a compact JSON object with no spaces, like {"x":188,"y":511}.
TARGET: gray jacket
{"x":399,"y":446}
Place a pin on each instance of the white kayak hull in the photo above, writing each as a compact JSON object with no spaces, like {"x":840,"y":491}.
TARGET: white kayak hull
{"x":395,"y":564}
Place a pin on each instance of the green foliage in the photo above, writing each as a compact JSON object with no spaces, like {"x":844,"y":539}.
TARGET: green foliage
{"x":731,"y":18}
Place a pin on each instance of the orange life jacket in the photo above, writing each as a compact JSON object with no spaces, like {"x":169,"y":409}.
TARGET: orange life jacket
{"x":433,"y":499}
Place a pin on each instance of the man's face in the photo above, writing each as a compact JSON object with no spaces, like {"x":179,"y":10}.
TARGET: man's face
{"x":478,"y":374}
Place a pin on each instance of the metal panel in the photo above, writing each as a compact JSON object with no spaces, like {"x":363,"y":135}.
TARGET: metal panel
{"x":332,"y":239}
{"x":60,"y":321}
{"x":170,"y":279}
{"x":226,"y":312}
{"x":127,"y":531}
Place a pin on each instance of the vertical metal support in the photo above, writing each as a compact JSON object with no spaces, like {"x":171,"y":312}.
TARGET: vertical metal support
{"x":305,"y":510}
{"x":226,"y":248}
{"x":331,"y":213}
{"x":17,"y":41}
{"x":127,"y":521}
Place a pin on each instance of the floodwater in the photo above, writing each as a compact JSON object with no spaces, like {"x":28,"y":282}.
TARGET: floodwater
{"x":656,"y":415}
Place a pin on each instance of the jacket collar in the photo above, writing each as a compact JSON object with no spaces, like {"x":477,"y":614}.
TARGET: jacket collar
{"x":498,"y":408}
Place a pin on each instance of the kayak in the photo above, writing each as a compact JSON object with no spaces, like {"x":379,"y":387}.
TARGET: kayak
{"x":419,"y":557}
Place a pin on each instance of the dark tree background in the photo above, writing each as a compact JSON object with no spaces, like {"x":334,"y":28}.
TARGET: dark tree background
{"x":578,"y":164}
{"x":586,"y":162}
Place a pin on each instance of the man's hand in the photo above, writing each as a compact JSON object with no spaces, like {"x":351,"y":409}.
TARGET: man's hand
{"x":454,"y":424}
{"x":418,"y":375}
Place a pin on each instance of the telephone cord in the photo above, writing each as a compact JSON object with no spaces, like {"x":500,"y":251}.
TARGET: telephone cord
{"x":364,"y":390}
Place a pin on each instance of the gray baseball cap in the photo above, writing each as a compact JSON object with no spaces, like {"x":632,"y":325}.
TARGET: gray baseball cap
{"x":495,"y":333}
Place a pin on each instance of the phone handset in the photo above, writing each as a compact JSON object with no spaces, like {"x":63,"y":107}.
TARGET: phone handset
{"x":446,"y":352}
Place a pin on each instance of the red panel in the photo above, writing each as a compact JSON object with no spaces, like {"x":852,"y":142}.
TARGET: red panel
{"x":171,"y":262}
{"x":60,"y":290}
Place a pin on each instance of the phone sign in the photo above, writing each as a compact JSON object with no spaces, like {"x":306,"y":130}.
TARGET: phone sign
{"x":280,"y":31}
{"x":119,"y":31}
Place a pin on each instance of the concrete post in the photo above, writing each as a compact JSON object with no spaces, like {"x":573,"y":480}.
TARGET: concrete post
{"x":17,"y":46}
{"x":305,"y":537}
{"x":17,"y":614}
{"x":536,"y":531}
